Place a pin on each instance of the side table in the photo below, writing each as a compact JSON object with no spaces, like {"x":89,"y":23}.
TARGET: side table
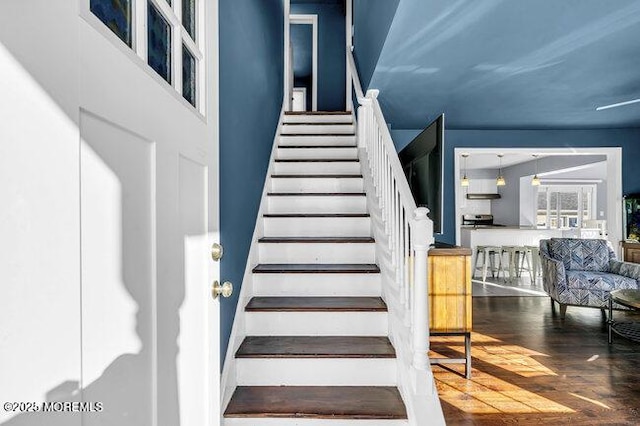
{"x":628,"y":329}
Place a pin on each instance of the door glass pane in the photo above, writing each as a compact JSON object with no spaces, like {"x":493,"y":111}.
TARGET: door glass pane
{"x":188,"y":76}
{"x":116,"y":15}
{"x":569,"y":209}
{"x":586,"y":205}
{"x":541,"y":211}
{"x":159,"y":43}
{"x":189,"y":17}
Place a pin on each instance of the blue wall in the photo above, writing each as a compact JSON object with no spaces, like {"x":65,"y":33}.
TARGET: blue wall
{"x":331,"y":53}
{"x":251,"y":87}
{"x":372,"y":20}
{"x":628,"y":139}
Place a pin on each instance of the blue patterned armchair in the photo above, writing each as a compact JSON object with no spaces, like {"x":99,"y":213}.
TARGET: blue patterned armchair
{"x":582,"y":272}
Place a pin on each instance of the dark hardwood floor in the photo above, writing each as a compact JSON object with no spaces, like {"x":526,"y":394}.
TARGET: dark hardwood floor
{"x":531,"y":367}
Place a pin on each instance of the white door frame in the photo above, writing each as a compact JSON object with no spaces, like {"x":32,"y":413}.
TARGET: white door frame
{"x":309,"y":19}
{"x":614,"y":180}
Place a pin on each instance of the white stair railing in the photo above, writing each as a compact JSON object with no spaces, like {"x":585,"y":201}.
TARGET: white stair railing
{"x":409,"y":230}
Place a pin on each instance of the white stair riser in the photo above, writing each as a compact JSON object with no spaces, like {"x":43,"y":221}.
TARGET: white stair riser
{"x":318,"y":285}
{"x":316,"y":323}
{"x":344,"y":140}
{"x":316,"y":371}
{"x":318,"y":129}
{"x":317,"y":226}
{"x":306,"y":185}
{"x":317,"y":168}
{"x":317,"y":204}
{"x":317,"y":253}
{"x":300,"y":118}
{"x":310,"y":422}
{"x":349,"y":153}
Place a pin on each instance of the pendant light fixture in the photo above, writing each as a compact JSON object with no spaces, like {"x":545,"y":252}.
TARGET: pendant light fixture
{"x":465,"y":179}
{"x":500,"y":181}
{"x":536,"y":180}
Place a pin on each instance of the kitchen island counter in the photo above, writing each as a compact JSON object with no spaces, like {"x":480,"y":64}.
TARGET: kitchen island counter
{"x":504,"y":236}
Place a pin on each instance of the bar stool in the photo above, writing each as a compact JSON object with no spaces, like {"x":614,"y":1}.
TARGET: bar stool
{"x":488,"y":260}
{"x":536,"y":265}
{"x":514,"y":255}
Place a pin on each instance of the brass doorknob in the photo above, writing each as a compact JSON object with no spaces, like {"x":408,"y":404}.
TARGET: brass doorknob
{"x":216,"y":252}
{"x":224,"y":290}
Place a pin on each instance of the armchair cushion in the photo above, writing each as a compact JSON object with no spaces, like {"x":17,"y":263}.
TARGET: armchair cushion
{"x":592,"y":280}
{"x":581,"y":254}
{"x":628,"y":269}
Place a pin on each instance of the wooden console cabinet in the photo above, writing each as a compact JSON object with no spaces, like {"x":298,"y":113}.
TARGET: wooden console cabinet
{"x":631,"y":252}
{"x":450,"y":307}
{"x":450,"y":289}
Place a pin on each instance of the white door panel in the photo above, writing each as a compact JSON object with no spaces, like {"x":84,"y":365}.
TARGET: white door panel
{"x":118,"y":273}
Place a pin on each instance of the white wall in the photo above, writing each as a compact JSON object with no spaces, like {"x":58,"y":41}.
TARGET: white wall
{"x":57,"y":72}
{"x":480,"y":181}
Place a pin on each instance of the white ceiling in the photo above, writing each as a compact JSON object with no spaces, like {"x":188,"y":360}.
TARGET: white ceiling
{"x":486,"y":160}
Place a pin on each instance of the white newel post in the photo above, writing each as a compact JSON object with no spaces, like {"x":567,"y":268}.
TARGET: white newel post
{"x":363,"y":119}
{"x":421,"y":238}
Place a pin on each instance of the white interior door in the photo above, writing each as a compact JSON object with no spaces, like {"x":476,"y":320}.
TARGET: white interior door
{"x":299,"y":99}
{"x":109,"y":208}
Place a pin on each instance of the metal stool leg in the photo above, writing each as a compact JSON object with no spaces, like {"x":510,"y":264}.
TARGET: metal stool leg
{"x":467,"y":352}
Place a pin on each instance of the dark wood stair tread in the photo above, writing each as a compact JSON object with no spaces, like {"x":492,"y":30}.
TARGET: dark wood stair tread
{"x":319,"y":402}
{"x":316,"y":304}
{"x":338,"y":240}
{"x":313,"y":135}
{"x":317,"y":176}
{"x":316,"y":146}
{"x":313,"y":268}
{"x":316,"y":160}
{"x":316,"y":347}
{"x":317,"y":113}
{"x":315,"y":123}
{"x":316,"y":194}
{"x":314,"y":215}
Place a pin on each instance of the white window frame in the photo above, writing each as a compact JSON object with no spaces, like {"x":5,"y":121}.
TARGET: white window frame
{"x":179,"y":36}
{"x":580,"y":189}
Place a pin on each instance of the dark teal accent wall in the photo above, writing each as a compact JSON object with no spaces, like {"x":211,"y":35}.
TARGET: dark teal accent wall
{"x":331,"y":53}
{"x":372,"y":20}
{"x":628,"y":139}
{"x":251,"y":87}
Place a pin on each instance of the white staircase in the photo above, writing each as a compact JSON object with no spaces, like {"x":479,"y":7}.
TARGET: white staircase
{"x":311,"y":346}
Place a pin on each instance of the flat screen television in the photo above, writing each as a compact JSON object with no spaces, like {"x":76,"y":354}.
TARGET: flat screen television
{"x":422,"y":161}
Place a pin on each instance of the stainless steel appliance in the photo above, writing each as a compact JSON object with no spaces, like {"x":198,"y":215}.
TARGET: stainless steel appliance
{"x":478,"y":220}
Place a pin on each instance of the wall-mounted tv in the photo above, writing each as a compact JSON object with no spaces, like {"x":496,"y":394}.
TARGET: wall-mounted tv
{"x":422,"y":161}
